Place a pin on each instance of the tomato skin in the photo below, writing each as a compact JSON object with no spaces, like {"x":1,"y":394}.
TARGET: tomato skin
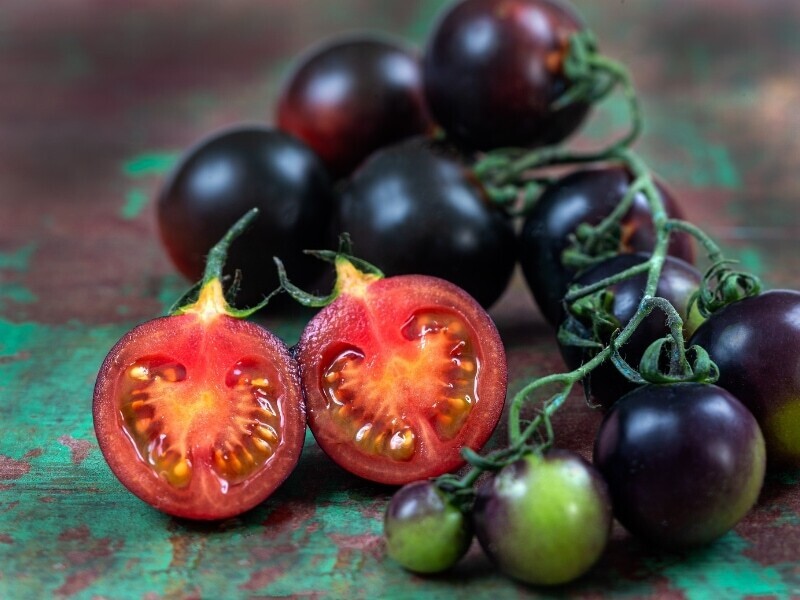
{"x":684,"y":462}
{"x":414,"y":209}
{"x":229,"y":173}
{"x":351,"y":96}
{"x":755,"y":342}
{"x":207,"y":350}
{"x":372,"y":320}
{"x":678,"y":282}
{"x":586,"y":196}
{"x":544,"y":520}
{"x":492,"y":71}
{"x":424,"y":532}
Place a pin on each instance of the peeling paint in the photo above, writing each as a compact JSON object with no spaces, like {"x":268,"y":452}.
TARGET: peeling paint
{"x":79,"y":449}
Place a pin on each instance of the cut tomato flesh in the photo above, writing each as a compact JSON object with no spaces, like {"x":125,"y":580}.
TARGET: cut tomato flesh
{"x":396,"y":378}
{"x":429,"y":381}
{"x":175,"y":423}
{"x":200,"y":417}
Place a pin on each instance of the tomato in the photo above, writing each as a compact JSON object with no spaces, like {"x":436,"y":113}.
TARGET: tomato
{"x":544,"y":520}
{"x":227,"y":174}
{"x":352,"y":95}
{"x":586,"y":196}
{"x":755,"y":342}
{"x":678,"y":282}
{"x":424,"y":531}
{"x":200,"y":414}
{"x":400,"y":374}
{"x":493,"y":69}
{"x":684,"y":462}
{"x":413,"y":208}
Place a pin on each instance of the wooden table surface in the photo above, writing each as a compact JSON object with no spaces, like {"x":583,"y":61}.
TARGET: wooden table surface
{"x":98,"y":99}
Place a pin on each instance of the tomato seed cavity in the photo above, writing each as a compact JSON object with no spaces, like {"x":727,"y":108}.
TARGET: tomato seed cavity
{"x":438,"y":344}
{"x":152,"y":398}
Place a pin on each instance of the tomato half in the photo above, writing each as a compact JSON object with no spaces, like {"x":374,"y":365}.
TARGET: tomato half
{"x":200,"y":414}
{"x":400,"y":374}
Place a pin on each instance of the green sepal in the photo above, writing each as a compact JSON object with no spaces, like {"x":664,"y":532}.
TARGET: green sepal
{"x":590,"y":321}
{"x":243,"y":313}
{"x":722,"y":286}
{"x":330,"y":256}
{"x":188,"y":298}
{"x":697,"y":366}
{"x":584,"y":67}
{"x":301,"y":296}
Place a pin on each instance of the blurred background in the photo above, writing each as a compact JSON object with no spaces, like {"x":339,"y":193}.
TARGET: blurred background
{"x":99,"y":100}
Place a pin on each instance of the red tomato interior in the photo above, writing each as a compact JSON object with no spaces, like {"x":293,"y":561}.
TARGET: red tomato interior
{"x":200,"y":417}
{"x":402,"y":376}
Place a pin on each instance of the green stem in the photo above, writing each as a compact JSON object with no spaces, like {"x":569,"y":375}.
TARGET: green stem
{"x":219,"y":253}
{"x":581,"y":292}
{"x":713,"y":251}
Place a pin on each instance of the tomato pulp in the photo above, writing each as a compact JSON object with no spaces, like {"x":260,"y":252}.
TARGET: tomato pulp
{"x":400,"y":374}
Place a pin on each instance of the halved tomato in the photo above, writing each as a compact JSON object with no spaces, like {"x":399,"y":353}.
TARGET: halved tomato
{"x":400,"y":374}
{"x":200,"y":414}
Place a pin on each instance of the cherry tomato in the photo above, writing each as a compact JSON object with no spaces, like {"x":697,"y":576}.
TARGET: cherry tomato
{"x":756,"y":345}
{"x":679,"y":280}
{"x":544,"y":520}
{"x":424,"y":532}
{"x":400,"y":374}
{"x":586,"y":196}
{"x":684,"y":462}
{"x":493,"y":69}
{"x":351,"y":96}
{"x":200,"y":414}
{"x":412,"y":208}
{"x":226,"y":175}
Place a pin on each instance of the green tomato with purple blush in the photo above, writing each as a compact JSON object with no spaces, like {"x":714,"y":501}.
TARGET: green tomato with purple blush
{"x":544,"y":519}
{"x":425,"y":532}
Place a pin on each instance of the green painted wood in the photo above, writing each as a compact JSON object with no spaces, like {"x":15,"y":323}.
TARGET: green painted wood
{"x":97,"y":104}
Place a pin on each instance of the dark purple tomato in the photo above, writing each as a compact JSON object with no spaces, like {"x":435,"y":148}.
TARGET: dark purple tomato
{"x":586,"y":196}
{"x":683,"y":462}
{"x":351,"y":96}
{"x":493,"y":69}
{"x":424,"y":532}
{"x":756,"y":345}
{"x":413,"y":209}
{"x":544,"y":520}
{"x":679,"y":280}
{"x":231,"y":172}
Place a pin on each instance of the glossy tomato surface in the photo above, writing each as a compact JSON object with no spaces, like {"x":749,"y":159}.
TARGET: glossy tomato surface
{"x":493,"y":68}
{"x":586,"y":196}
{"x":544,"y":520}
{"x":415,"y":208}
{"x":424,"y":531}
{"x":678,"y":282}
{"x":228,"y":174}
{"x":683,"y":462}
{"x":756,"y":345}
{"x":400,"y":374}
{"x":352,"y":95}
{"x":200,"y":418}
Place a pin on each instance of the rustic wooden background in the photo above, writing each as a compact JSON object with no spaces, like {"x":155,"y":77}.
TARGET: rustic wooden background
{"x":98,"y":99}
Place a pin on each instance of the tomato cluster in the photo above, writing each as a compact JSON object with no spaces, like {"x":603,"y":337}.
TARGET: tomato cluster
{"x":349,"y":104}
{"x":401,"y":376}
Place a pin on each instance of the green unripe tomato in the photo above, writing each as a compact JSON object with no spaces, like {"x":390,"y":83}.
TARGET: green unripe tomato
{"x":424,"y":532}
{"x":544,"y":520}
